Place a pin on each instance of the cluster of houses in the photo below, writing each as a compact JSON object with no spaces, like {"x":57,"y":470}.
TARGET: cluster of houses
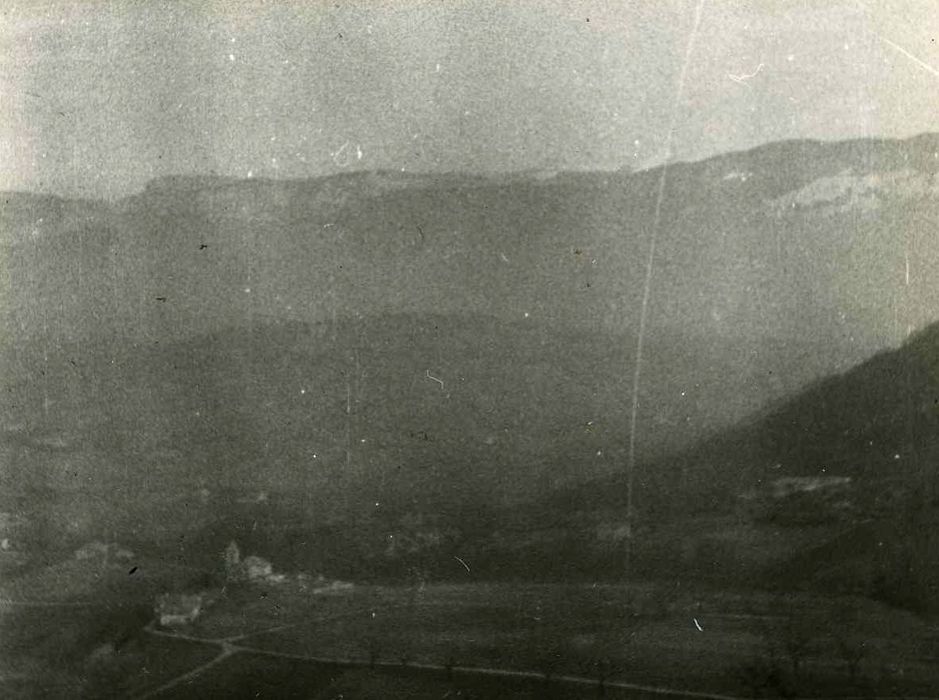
{"x":103,"y":552}
{"x":791,"y":485}
{"x":254,"y":569}
{"x":181,"y":609}
{"x":251,"y":568}
{"x":799,"y":498}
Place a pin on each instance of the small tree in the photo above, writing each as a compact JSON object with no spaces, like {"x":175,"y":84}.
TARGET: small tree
{"x":762,"y":677}
{"x":373,"y":649}
{"x":849,"y":647}
{"x":548,"y":657}
{"x":605,"y":658}
{"x":764,"y":674}
{"x":602,"y":668}
{"x":798,"y":638}
{"x":375,"y":633}
{"x":548,"y":665}
{"x":449,"y":664}
{"x":852,"y":652}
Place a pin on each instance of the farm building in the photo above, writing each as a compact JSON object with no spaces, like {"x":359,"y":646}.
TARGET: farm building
{"x":177,"y":610}
{"x":800,"y":500}
{"x":256,"y":568}
{"x":789,"y":485}
{"x":103,"y":551}
{"x":250,"y":568}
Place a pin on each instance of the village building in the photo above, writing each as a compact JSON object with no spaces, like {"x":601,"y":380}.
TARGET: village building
{"x":178,"y":610}
{"x":341,"y":585}
{"x":798,"y":499}
{"x":260,"y":498}
{"x":256,"y":568}
{"x":789,"y":485}
{"x":232,"y":559}
{"x":92,"y":550}
{"x":250,"y":568}
{"x":103,"y":552}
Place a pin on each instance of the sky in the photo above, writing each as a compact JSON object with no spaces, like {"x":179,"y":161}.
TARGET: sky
{"x":97,"y":98}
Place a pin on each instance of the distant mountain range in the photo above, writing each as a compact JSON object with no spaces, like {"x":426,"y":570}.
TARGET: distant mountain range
{"x":792,"y":240}
{"x":476,"y":333}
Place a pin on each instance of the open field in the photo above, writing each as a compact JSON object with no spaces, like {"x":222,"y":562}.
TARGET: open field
{"x":146,"y":664}
{"x":429,"y":639}
{"x":255,"y":676}
{"x":713,"y":642}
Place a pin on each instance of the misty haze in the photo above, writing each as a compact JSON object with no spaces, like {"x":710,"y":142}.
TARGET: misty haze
{"x":476,"y":349}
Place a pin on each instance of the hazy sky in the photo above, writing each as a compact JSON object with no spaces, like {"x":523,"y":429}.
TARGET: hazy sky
{"x":98,"y":97}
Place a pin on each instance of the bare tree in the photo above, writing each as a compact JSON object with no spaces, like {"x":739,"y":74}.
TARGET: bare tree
{"x":449,"y":665}
{"x":603,"y":668}
{"x":548,"y":663}
{"x":605,"y":658}
{"x":548,"y":655}
{"x":375,"y":634}
{"x":850,"y":647}
{"x":763,"y":677}
{"x":852,"y":651}
{"x":373,"y":648}
{"x":798,"y":639}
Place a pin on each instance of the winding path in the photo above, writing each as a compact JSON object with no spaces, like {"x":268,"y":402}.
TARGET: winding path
{"x":225,"y":652}
{"x":228,"y":648}
{"x":8,"y":603}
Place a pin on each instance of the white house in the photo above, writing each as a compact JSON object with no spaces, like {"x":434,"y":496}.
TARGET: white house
{"x":104,"y":551}
{"x":178,"y":610}
{"x":256,"y":568}
{"x":789,"y":485}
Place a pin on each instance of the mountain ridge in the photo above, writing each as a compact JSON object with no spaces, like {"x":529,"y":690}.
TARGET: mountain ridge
{"x":747,"y":303}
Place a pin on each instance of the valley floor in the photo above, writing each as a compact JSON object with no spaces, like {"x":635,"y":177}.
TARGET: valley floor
{"x":489,"y":640}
